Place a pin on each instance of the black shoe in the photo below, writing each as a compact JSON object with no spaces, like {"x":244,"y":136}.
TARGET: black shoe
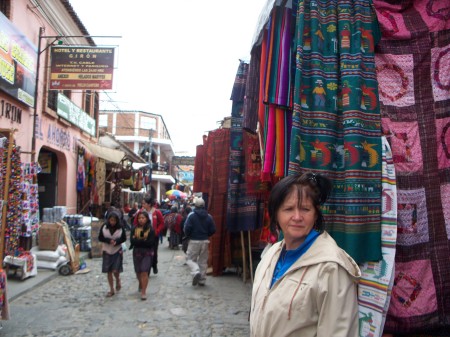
{"x":196,"y":279}
{"x":155,"y":270}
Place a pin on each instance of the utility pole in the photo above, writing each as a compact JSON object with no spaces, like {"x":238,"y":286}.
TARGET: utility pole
{"x":150,"y":145}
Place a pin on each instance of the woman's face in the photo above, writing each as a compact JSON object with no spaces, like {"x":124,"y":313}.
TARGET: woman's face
{"x":296,"y":221}
{"x":112,"y":220}
{"x":142,"y":219}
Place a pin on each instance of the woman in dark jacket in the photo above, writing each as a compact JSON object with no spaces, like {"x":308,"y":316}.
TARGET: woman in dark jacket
{"x":112,"y":235}
{"x":142,"y":241}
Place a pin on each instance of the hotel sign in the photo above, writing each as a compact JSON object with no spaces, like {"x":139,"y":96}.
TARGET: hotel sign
{"x":83,"y":68}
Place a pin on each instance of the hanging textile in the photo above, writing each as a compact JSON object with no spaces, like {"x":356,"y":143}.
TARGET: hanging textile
{"x":276,"y":89}
{"x":198,"y":168}
{"x":336,"y":121}
{"x":14,"y":204}
{"x":376,"y":280}
{"x":413,"y":66}
{"x":217,"y":163}
{"x":242,"y":208}
{"x":251,"y":98}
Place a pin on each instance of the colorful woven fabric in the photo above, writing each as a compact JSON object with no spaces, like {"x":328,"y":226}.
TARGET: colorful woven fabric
{"x":336,"y":121}
{"x":198,"y":168}
{"x":413,"y":65}
{"x":377,"y":277}
{"x":216,"y":157}
{"x":277,"y":80}
{"x":251,"y":98}
{"x":242,"y":208}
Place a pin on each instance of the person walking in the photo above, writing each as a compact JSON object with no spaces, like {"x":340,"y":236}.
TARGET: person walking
{"x":199,"y":227}
{"x":158,"y":226}
{"x":157,"y":219}
{"x":184,"y":239}
{"x":142,"y":242}
{"x":112,"y":235}
{"x":172,"y":222}
{"x":132,"y":213}
{"x":304,"y":285}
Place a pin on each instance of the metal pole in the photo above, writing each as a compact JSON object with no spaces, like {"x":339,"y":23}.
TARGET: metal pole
{"x":36,"y":95}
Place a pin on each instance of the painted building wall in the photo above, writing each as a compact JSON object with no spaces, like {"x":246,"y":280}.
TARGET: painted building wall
{"x":52,"y":133}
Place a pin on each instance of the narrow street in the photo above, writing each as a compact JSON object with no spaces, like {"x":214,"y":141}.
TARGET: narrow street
{"x":76,"y":305}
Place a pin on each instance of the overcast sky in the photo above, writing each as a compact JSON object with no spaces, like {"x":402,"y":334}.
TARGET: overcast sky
{"x":175,"y":58}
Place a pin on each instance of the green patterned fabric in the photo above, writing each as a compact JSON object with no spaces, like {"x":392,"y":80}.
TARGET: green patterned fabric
{"x":336,"y":118}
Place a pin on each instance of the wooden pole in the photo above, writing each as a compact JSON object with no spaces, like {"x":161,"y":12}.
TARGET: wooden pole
{"x":250,"y":258}
{"x":244,"y":262}
{"x":5,"y":194}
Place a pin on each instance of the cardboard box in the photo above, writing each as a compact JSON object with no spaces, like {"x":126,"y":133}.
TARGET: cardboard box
{"x":49,"y":236}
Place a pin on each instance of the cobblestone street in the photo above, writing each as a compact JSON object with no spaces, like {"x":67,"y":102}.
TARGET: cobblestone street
{"x":76,"y":305}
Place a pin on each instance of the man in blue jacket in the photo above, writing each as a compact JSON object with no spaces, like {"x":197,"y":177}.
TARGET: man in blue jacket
{"x":199,"y":226}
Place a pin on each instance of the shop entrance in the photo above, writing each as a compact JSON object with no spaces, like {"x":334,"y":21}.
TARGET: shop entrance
{"x":47,"y":179}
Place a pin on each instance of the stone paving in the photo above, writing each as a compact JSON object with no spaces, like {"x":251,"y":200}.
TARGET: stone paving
{"x":76,"y":305}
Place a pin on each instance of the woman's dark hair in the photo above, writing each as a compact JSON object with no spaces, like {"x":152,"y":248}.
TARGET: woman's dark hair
{"x":148,"y":223}
{"x":149,"y":200}
{"x":113,"y":213}
{"x":317,"y":187}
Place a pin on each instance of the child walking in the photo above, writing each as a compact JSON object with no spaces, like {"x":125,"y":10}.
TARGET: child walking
{"x":112,"y":235}
{"x":142,"y":241}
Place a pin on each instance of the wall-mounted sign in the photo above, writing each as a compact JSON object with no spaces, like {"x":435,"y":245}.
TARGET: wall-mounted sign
{"x":85,"y":68}
{"x":177,"y":160}
{"x":18,"y":58}
{"x":10,"y":111}
{"x":75,"y":115}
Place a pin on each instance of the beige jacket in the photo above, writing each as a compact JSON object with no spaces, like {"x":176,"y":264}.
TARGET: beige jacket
{"x":316,"y":297}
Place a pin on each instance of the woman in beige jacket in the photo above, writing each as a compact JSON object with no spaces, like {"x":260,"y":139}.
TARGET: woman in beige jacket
{"x":304,"y":285}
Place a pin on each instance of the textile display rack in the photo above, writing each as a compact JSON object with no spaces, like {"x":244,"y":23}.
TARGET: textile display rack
{"x":4,"y":204}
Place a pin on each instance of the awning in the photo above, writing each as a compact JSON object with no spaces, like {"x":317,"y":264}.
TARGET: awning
{"x":111,"y":155}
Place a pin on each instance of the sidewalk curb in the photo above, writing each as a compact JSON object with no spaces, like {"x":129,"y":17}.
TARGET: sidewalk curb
{"x":34,"y":286}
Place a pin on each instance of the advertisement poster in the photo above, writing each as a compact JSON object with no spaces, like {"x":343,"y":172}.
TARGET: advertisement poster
{"x":18,"y":61}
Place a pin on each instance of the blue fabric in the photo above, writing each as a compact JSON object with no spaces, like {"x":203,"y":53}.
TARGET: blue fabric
{"x":288,"y":257}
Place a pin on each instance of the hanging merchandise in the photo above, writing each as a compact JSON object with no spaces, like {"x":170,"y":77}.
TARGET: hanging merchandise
{"x":6,"y":149}
{"x":413,"y":62}
{"x":242,"y":209}
{"x":336,"y":120}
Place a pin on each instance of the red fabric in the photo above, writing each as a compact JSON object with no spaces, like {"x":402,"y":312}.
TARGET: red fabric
{"x":158,"y":221}
{"x":198,"y":168}
{"x":217,"y":159}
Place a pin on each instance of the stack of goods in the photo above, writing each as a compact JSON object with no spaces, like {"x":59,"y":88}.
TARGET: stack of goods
{"x":54,"y":214}
{"x":50,"y":259}
{"x":79,"y":230}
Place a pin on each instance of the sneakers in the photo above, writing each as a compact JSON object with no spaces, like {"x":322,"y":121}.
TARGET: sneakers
{"x":196,"y":279}
{"x":155,"y":270}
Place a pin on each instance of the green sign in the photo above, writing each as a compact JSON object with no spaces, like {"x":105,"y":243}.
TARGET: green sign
{"x":75,"y":115}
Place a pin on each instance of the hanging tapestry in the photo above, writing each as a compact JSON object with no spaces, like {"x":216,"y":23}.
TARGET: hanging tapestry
{"x":217,"y":156}
{"x":336,"y":120}
{"x":376,"y":280}
{"x":251,"y":92}
{"x":242,"y":208}
{"x":413,"y":65}
{"x":276,"y":88}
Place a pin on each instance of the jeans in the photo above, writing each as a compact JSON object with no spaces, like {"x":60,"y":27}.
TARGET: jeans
{"x":197,"y":257}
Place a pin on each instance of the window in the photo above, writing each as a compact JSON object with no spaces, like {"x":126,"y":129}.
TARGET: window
{"x":52,"y":99}
{"x":102,"y":120}
{"x":148,"y":123}
{"x":87,"y":102}
{"x":96,"y":105}
{"x":5,"y":7}
{"x":67,"y":93}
